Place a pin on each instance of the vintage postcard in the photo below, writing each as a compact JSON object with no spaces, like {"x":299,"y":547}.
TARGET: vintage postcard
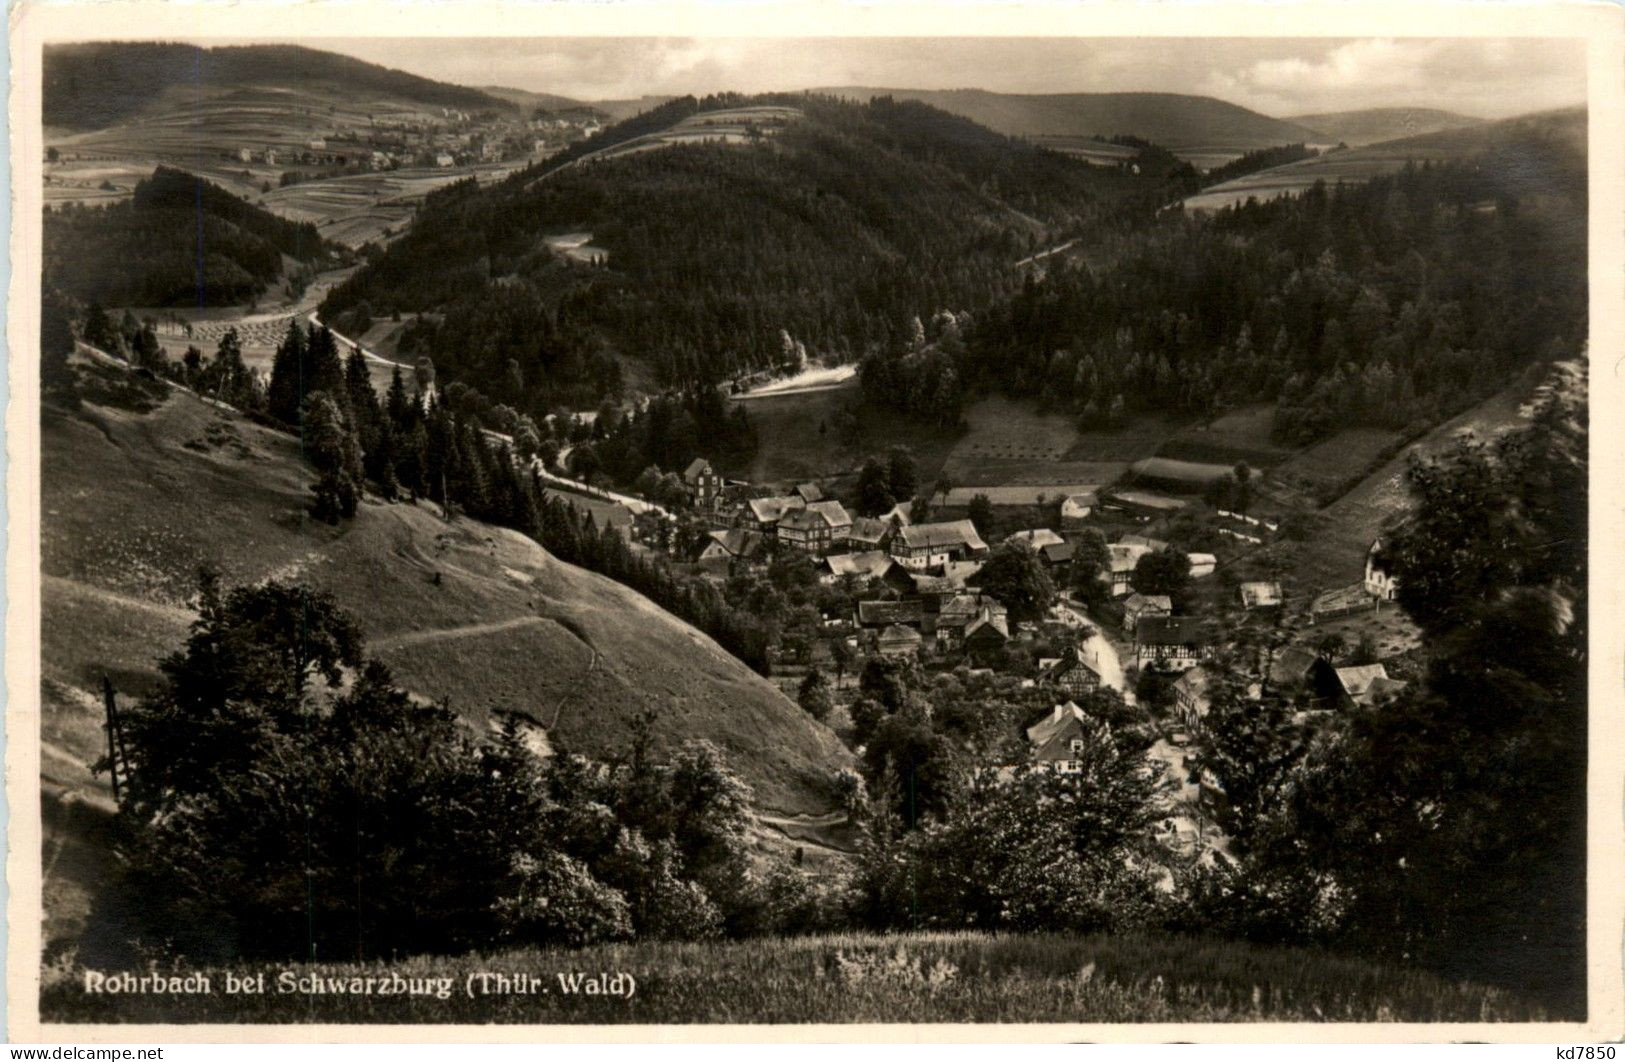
{"x":816,"y":522}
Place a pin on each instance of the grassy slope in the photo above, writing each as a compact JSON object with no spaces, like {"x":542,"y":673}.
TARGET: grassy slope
{"x":957,"y":977}
{"x":1336,"y":555}
{"x":130,"y":509}
{"x":1565,"y":128}
{"x":1377,"y":124}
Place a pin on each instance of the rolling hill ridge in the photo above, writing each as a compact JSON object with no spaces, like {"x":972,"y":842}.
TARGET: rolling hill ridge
{"x":93,"y":86}
{"x":1184,"y":124}
{"x":831,"y":222}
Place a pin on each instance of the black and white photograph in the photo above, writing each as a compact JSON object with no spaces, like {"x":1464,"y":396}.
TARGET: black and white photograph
{"x":757,"y":530}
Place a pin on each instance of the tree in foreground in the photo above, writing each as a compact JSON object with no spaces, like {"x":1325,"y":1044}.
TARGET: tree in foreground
{"x":288,"y":801}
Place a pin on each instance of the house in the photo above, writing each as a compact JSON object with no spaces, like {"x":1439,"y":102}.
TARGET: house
{"x":867,"y":533}
{"x":878,"y":614}
{"x":1256,"y":595}
{"x":895,"y":517}
{"x":956,"y":615}
{"x":898,"y":640}
{"x":1075,"y":673}
{"x":1155,"y":545}
{"x":985,"y":636}
{"x":1058,"y":554}
{"x":443,"y":160}
{"x":1290,"y":668}
{"x":1191,"y":695}
{"x":704,"y":485}
{"x":1202,"y":564}
{"x":1037,"y":539}
{"x":1379,"y":581}
{"x":722,"y":548}
{"x":870,"y":564}
{"x":1123,"y":558}
{"x":1076,"y":510}
{"x":764,"y":514}
{"x":1058,"y":741}
{"x":1351,"y":687}
{"x":815,"y":528}
{"x":1170,"y":643}
{"x":928,"y":545}
{"x":1139,"y":605}
{"x":809,"y":492}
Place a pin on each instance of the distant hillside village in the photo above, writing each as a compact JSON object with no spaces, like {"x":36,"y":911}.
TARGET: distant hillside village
{"x":443,"y":138}
{"x":1089,"y":600}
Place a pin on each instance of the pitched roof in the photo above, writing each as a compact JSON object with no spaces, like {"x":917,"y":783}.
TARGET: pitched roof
{"x":1170,"y":630}
{"x":738,"y":541}
{"x":1291,"y":663}
{"x":1076,"y":505}
{"x":897,"y":635}
{"x":986,"y":622}
{"x":810,"y":492}
{"x":1036,"y":539}
{"x":1059,"y":552}
{"x":868,"y":529}
{"x":1365,"y":682}
{"x":878,"y":613}
{"x":695,"y":467}
{"x":771,"y":510}
{"x":1052,"y":735}
{"x":1146,"y":603}
{"x":868,"y":563}
{"x":971,"y":604}
{"x":942,"y":536}
{"x":1124,"y":556}
{"x":816,"y":516}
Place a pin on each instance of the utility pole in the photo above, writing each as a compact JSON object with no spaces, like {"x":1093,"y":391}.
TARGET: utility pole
{"x":117,"y":759}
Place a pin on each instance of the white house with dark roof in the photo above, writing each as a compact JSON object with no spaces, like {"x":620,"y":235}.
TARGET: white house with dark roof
{"x":765,"y":513}
{"x":815,"y":528}
{"x":929,"y":545}
{"x":1379,"y":581}
{"x":1059,"y":741}
{"x":1170,"y":643}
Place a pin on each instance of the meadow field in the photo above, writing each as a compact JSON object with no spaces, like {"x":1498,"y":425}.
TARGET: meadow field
{"x":910,"y":978}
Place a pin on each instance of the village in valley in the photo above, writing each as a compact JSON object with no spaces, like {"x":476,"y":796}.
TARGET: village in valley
{"x":1118,"y":605}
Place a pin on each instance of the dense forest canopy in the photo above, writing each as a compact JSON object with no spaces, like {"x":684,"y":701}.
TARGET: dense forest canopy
{"x":179,"y":241}
{"x":93,"y":86}
{"x":1391,"y":303}
{"x":836,"y":229}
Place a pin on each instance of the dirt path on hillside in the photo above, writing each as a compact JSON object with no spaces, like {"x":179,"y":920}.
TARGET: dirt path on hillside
{"x":472,"y":630}
{"x":88,"y":592}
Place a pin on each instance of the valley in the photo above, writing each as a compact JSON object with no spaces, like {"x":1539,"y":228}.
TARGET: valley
{"x":830,"y":527}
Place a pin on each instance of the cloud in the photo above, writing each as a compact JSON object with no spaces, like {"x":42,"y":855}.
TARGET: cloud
{"x":1488,"y":78}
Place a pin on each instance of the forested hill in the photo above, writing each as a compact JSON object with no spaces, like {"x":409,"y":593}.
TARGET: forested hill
{"x":92,"y":86}
{"x":1393,"y":303}
{"x":179,"y":240}
{"x":835,"y":226}
{"x":1167,"y":118}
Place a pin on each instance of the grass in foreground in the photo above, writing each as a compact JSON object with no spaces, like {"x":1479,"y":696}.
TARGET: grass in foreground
{"x":956,"y":977}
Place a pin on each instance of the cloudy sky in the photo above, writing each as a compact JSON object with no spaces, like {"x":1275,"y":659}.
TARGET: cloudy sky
{"x":1486,"y":78}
